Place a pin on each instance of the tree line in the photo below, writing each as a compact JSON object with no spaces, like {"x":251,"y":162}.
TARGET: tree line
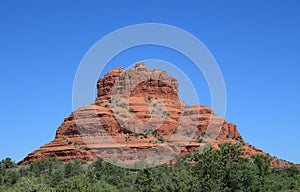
{"x":225,"y":169}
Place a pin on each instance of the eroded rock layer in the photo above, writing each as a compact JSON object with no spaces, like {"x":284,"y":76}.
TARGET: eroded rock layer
{"x":138,"y":114}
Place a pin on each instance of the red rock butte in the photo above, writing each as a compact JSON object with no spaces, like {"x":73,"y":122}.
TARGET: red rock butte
{"x":138,"y":114}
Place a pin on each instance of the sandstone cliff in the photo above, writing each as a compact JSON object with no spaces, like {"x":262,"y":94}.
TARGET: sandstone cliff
{"x":138,"y":114}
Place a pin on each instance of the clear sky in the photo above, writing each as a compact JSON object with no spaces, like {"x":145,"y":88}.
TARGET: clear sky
{"x":256,"y":44}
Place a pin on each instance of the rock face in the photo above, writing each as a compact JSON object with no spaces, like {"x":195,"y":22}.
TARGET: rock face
{"x":138,"y":115}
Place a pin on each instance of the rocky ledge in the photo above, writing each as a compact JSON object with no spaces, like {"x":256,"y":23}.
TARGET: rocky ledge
{"x":138,"y":114}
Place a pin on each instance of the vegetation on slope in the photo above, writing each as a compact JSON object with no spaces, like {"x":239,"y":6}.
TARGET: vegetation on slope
{"x":215,"y":170}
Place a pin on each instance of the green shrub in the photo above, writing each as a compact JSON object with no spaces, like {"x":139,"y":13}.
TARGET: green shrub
{"x":225,"y":169}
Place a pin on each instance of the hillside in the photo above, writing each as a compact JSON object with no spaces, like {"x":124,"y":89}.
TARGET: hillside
{"x":138,"y":116}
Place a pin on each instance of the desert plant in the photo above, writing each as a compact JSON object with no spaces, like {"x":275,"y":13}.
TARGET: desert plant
{"x":127,"y":138}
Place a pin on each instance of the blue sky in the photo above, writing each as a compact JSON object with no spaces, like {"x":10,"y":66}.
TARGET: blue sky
{"x":255,"y":43}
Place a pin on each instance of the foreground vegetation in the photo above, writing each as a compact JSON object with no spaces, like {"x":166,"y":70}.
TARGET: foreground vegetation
{"x":215,"y":170}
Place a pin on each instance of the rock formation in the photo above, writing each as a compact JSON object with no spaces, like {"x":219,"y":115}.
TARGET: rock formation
{"x":138,"y":114}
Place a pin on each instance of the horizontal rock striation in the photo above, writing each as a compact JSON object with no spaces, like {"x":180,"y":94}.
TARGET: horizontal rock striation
{"x":138,"y":114}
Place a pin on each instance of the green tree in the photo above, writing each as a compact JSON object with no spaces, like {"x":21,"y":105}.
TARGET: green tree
{"x":224,"y":170}
{"x":7,"y":163}
{"x":146,"y":181}
{"x":263,"y":164}
{"x":72,"y":168}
